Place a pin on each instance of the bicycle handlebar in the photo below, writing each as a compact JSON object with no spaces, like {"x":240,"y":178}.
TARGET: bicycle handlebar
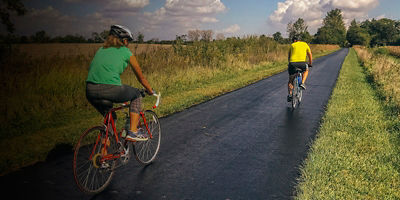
{"x":158,"y":99}
{"x":143,"y":93}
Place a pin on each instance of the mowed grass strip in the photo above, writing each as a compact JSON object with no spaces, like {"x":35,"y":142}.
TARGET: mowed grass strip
{"x":356,"y":153}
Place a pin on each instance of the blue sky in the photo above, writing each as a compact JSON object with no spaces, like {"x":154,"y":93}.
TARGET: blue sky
{"x":164,"y":19}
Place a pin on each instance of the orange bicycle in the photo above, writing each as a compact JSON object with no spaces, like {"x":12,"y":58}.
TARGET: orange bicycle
{"x":102,"y":149}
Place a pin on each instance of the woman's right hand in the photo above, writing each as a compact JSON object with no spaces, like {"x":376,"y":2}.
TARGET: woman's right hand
{"x":150,"y":92}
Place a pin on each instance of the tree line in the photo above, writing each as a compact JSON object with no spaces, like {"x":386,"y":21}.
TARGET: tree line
{"x":43,"y":37}
{"x":333,"y":31}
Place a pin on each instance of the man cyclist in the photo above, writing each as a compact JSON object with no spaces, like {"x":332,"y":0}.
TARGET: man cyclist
{"x":298,"y":53}
{"x":103,"y":84}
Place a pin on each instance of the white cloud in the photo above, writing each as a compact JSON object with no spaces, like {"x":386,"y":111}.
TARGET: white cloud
{"x":230,"y":30}
{"x":125,"y":5}
{"x":179,"y":16}
{"x":313,"y":12}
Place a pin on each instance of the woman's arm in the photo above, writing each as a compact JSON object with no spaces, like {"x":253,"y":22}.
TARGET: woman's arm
{"x":138,"y":72}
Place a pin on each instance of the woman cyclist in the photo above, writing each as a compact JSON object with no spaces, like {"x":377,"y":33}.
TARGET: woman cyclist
{"x":103,"y":84}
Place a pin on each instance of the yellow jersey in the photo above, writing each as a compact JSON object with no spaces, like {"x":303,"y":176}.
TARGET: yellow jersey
{"x":298,"y":51}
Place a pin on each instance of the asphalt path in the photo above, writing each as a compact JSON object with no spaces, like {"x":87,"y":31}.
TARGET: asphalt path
{"x":247,"y":144}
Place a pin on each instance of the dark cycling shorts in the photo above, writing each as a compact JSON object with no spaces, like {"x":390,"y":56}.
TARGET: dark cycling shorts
{"x":293,"y":65}
{"x":95,"y":93}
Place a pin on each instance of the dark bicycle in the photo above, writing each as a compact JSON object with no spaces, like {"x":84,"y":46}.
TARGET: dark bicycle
{"x":297,"y":91}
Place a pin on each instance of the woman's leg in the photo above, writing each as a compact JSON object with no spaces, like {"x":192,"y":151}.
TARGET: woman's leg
{"x":134,"y":110}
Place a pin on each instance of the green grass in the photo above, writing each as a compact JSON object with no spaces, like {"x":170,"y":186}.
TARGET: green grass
{"x":47,"y":111}
{"x":356,"y":153}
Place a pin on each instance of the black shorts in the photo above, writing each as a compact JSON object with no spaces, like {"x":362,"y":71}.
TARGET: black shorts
{"x":96,"y":93}
{"x":293,"y":65}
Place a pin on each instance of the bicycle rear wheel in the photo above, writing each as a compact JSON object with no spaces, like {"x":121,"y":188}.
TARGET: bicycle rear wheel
{"x":295,"y":93}
{"x":91,"y":174}
{"x":146,"y":151}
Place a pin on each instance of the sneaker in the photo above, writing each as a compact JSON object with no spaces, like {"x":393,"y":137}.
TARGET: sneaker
{"x":289,"y":98}
{"x":134,"y":137}
{"x":303,"y":86}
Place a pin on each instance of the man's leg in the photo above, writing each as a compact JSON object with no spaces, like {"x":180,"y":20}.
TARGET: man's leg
{"x":290,"y":84}
{"x":305,"y":75}
{"x":290,"y":88}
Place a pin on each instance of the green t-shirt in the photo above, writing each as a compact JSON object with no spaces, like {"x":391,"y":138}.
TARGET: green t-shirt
{"x":108,"y":64}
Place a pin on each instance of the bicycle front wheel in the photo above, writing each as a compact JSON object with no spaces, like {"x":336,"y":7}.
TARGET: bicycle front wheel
{"x":91,"y":173}
{"x":146,"y":151}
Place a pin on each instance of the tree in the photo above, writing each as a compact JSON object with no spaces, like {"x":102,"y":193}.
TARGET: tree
{"x":194,"y":35}
{"x":357,"y":35}
{"x":333,"y":30}
{"x":299,"y":29}
{"x":140,"y":38}
{"x":220,"y":36}
{"x":384,"y":32}
{"x":278,"y":37}
{"x":207,"y":35}
{"x":7,"y":6}
{"x":96,"y":38}
{"x":40,"y":37}
{"x":100,"y":37}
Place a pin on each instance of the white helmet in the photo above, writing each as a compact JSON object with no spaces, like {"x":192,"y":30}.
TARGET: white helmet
{"x":121,"y":32}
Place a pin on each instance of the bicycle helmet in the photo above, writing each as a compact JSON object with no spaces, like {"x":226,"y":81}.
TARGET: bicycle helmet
{"x":295,"y":37}
{"x":121,"y":32}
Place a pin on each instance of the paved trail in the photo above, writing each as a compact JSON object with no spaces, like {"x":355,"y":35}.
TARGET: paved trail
{"x":247,"y":144}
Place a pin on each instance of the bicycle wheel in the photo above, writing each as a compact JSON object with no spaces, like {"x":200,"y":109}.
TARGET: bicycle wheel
{"x":295,"y":92}
{"x":146,"y":151}
{"x":299,"y":95}
{"x":91,"y":174}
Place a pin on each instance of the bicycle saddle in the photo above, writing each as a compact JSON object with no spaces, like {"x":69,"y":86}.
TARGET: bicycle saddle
{"x":103,"y":102}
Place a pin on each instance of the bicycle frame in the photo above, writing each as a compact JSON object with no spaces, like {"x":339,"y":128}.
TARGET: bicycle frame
{"x":109,"y":120}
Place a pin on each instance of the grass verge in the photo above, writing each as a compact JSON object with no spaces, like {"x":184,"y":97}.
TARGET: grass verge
{"x":47,"y":141}
{"x":356,"y":153}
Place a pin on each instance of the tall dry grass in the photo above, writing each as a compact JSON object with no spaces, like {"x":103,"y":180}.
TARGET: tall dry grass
{"x":394,"y":50}
{"x":385,"y":71}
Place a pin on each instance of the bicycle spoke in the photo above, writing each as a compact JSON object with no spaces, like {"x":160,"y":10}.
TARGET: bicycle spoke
{"x":146,"y":151}
{"x":90,"y":174}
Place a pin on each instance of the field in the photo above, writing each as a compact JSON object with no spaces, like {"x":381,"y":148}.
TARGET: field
{"x":356,"y":153}
{"x":43,"y":86}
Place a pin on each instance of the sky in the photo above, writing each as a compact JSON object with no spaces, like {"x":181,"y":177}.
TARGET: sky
{"x":164,"y":19}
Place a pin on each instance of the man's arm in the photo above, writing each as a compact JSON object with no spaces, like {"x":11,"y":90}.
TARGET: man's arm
{"x":309,"y":54}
